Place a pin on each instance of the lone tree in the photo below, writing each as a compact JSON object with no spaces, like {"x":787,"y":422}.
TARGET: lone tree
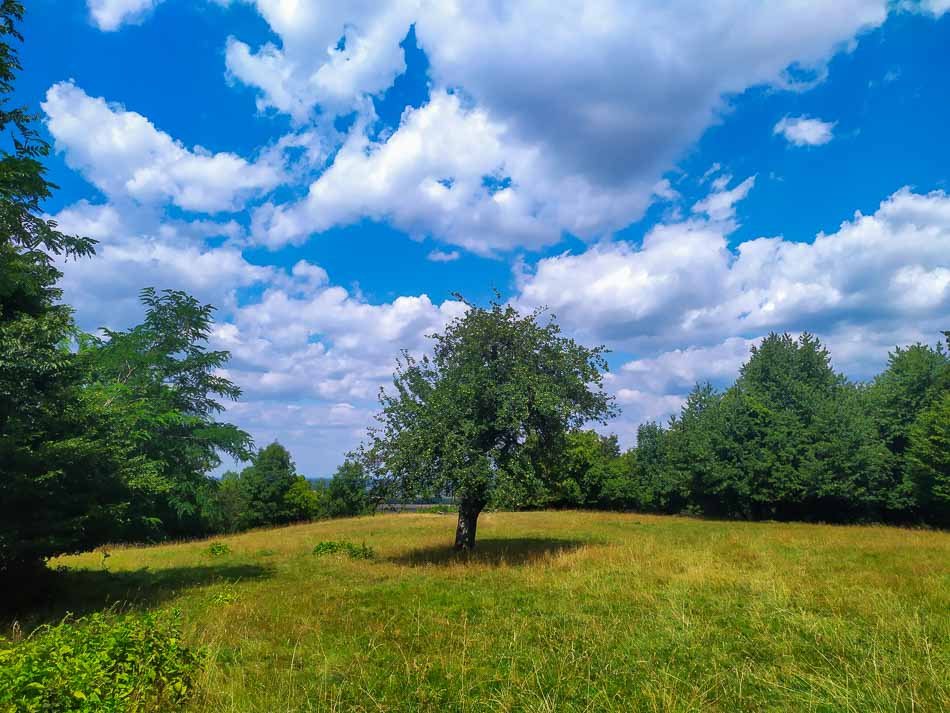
{"x":486,"y":417}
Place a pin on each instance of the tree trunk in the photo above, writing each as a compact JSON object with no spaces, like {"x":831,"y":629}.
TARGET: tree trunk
{"x":468,"y":521}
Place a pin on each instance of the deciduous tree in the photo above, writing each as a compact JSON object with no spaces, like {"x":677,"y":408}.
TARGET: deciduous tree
{"x":485,"y":416}
{"x":162,"y":388}
{"x":266,"y":484}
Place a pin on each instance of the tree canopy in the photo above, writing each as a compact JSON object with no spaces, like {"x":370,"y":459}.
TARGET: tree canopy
{"x":486,"y":416}
{"x":792,"y":439}
{"x":160,"y":385}
{"x":60,"y":487}
{"x":928,"y":460}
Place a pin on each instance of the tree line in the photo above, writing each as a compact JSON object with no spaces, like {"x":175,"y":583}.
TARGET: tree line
{"x":270,"y":492}
{"x":791,"y":439}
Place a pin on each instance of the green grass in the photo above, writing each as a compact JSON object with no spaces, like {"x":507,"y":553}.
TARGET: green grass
{"x":562,"y":611}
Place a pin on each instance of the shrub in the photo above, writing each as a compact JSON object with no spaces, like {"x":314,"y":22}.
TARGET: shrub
{"x":333,"y":547}
{"x":99,"y":663}
{"x":218,"y":549}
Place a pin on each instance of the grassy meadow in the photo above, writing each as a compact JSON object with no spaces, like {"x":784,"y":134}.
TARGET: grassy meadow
{"x":555,"y":611}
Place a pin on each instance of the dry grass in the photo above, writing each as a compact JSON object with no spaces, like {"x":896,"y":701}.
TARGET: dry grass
{"x":563,"y":611}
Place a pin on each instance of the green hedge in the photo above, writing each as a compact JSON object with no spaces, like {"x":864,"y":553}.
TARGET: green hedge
{"x":99,"y":663}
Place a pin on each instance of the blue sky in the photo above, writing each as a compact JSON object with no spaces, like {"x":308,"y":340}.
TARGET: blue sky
{"x":672,"y":182}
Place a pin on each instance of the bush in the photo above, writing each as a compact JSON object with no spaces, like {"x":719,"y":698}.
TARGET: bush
{"x":99,"y":663}
{"x":218,"y":549}
{"x":356,"y":552}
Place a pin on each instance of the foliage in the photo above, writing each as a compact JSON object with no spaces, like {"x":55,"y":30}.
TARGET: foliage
{"x":590,"y":468}
{"x":347,"y":493}
{"x":928,"y":459}
{"x":162,"y":388}
{"x":218,"y":549}
{"x":266,"y":484}
{"x":223,"y":503}
{"x":64,"y":478}
{"x":688,"y":451}
{"x":224,"y":597}
{"x":652,"y":488}
{"x":791,"y":439}
{"x":904,"y":401}
{"x":334,"y":547}
{"x":270,"y":492}
{"x":23,"y":188}
{"x":486,"y":417}
{"x":99,"y":663}
{"x":113,"y":441}
{"x":914,"y":378}
{"x":304,"y":501}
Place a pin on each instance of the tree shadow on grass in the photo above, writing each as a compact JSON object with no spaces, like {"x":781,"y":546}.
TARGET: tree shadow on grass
{"x":81,"y":591}
{"x":493,"y":551}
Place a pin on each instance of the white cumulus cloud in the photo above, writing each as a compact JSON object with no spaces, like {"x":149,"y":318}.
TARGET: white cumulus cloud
{"x":123,"y":154}
{"x":685,"y":285}
{"x":330,"y":54}
{"x":109,"y":15}
{"x":529,"y":93}
{"x":136,"y":251}
{"x":933,"y":7}
{"x":448,"y":172}
{"x":804,"y":131}
{"x":541,"y":119}
{"x":443,"y":256}
{"x":720,"y":204}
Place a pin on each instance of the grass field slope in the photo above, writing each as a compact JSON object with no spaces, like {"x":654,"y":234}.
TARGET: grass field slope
{"x":555,"y":611}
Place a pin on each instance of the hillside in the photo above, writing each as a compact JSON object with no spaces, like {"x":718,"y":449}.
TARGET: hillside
{"x":554,"y":611}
